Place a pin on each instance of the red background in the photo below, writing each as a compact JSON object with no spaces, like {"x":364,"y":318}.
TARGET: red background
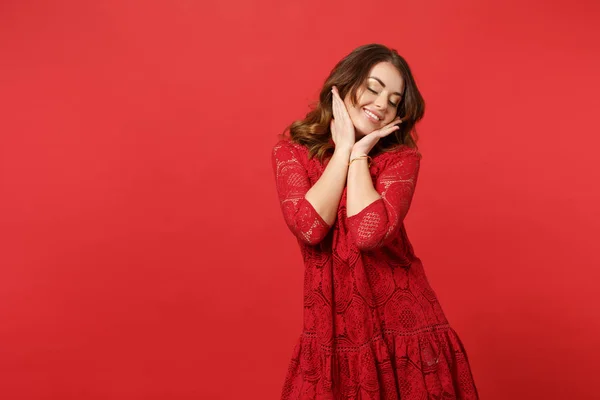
{"x":143,"y":252}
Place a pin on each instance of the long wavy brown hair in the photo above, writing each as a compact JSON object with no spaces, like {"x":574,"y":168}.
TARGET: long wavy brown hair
{"x":349,"y":75}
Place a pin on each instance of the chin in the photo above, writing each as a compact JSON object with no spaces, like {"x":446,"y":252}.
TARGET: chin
{"x":364,"y":132}
{"x":364,"y":128}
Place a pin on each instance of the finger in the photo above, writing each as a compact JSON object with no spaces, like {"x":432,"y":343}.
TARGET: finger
{"x":336,"y":96}
{"x":342,"y":110}
{"x":386,"y":131}
{"x":396,"y":120}
{"x":335,"y":108}
{"x":334,"y":104}
{"x":392,"y":124}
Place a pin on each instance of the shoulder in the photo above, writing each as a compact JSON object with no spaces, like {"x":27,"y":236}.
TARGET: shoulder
{"x":400,"y":154}
{"x":288,"y":149}
{"x":289,"y":145}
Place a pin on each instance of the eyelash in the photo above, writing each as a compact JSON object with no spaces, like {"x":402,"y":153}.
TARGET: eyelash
{"x":373,"y":91}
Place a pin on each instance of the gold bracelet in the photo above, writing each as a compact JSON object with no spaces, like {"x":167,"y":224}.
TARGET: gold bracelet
{"x":359,"y":157}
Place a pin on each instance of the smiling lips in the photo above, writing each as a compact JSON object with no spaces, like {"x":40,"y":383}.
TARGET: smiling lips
{"x":371,"y":116}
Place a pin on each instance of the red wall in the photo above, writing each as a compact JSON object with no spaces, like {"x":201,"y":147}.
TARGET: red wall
{"x":143,"y":253}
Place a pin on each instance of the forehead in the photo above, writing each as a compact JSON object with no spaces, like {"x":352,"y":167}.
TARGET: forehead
{"x":389,"y":75}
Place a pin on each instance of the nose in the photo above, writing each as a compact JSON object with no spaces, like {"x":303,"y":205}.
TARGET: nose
{"x":380,"y":102}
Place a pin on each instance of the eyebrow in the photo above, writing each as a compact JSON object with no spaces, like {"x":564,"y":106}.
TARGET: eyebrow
{"x":383,"y":84}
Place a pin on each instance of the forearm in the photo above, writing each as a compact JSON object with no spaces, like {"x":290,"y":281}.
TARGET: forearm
{"x":326,"y":193}
{"x":360,"y":190}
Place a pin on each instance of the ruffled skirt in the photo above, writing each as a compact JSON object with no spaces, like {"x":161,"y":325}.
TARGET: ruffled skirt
{"x":427,"y":364}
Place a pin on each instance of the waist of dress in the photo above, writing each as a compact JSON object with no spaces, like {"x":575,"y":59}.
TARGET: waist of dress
{"x":386,"y":332}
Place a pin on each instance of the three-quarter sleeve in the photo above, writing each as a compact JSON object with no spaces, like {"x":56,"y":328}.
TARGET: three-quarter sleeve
{"x":379,"y":223}
{"x":292,"y":183}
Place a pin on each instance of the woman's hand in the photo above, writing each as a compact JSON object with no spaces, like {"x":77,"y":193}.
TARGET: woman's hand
{"x":366,"y":144}
{"x":342,"y":128}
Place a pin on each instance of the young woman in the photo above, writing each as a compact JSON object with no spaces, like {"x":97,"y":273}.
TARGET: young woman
{"x":373,"y":327}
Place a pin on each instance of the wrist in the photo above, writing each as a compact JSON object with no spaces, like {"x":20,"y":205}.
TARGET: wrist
{"x":346,"y":149}
{"x":360,"y":158}
{"x":357,"y":153}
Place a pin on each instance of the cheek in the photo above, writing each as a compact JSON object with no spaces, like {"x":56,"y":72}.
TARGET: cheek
{"x":353,"y":110}
{"x":390,"y":118}
{"x":362,"y":97}
{"x":348,"y":104}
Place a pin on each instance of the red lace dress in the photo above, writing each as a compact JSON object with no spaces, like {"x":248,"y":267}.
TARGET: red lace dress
{"x":373,"y":328}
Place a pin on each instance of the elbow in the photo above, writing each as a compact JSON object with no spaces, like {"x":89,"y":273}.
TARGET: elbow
{"x":312,"y":234}
{"x":310,"y":238}
{"x":372,"y":239}
{"x":369,"y":244}
{"x":368,"y":228}
{"x":367,"y":237}
{"x":308,"y":226}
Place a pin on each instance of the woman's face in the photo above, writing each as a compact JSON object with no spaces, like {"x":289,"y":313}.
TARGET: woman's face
{"x":378,"y":99}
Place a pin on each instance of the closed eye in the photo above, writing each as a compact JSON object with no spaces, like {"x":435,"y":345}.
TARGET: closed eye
{"x":375,"y":92}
